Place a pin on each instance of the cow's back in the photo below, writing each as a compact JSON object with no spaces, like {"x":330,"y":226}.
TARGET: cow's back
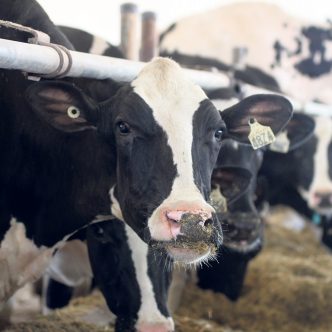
{"x":294,"y":52}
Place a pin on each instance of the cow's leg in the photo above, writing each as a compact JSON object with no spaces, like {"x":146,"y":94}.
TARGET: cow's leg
{"x":56,"y":295}
{"x":69,"y":271}
{"x":133,"y":281}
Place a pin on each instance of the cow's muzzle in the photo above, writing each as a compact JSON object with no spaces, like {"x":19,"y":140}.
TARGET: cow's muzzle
{"x":243,"y":232}
{"x":196,"y":237}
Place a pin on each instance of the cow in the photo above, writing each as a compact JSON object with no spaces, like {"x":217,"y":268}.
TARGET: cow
{"x":284,"y":54}
{"x":63,"y":276}
{"x":77,"y":153}
{"x":294,"y":54}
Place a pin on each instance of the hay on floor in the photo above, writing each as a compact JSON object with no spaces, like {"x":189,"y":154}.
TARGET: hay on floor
{"x":288,"y":289}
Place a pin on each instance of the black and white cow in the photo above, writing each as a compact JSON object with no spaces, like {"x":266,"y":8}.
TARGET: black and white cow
{"x":72,"y":154}
{"x":244,"y":236}
{"x":63,"y":276}
{"x":296,"y":56}
{"x":294,"y":53}
{"x":88,"y":43}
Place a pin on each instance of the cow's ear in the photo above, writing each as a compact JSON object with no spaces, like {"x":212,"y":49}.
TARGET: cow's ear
{"x":298,"y":130}
{"x":232,"y":181}
{"x":267,"y":109}
{"x":62,"y":105}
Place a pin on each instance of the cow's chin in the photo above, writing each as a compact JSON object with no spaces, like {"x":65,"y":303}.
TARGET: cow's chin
{"x":244,"y":246}
{"x":191,"y":255}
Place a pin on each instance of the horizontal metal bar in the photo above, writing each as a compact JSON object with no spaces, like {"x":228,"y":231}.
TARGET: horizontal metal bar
{"x":39,"y":60}
{"x":43,"y":60}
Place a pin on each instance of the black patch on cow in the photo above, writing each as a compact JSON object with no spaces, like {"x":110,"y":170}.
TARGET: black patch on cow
{"x":80,"y":39}
{"x":251,"y":75}
{"x":227,"y":275}
{"x":205,"y":148}
{"x":285,"y":173}
{"x":303,"y":159}
{"x":316,"y":64}
{"x":146,"y":170}
{"x":29,"y":13}
{"x":160,"y":278}
{"x":114,"y":271}
{"x":57,"y":295}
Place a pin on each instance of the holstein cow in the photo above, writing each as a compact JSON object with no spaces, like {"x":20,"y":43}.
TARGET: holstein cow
{"x":295,"y":55}
{"x":65,"y":275}
{"x":292,"y":52}
{"x":144,"y":155}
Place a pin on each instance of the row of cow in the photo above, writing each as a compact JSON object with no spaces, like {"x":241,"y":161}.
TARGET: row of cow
{"x":127,"y":168}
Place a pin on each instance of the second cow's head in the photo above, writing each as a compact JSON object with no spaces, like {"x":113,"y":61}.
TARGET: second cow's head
{"x":164,"y":135}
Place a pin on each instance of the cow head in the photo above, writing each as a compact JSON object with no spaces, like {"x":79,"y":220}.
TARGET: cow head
{"x":242,"y":224}
{"x":165,"y":135}
{"x":314,"y":160}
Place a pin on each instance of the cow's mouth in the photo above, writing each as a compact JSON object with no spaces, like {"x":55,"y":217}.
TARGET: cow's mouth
{"x":190,"y":253}
{"x":243,"y":233}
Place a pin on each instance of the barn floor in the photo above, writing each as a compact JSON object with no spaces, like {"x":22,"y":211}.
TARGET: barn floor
{"x":288,"y":289}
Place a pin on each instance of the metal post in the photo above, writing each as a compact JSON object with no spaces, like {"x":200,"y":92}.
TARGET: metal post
{"x":129,"y":31}
{"x":149,"y":42}
{"x":240,"y":58}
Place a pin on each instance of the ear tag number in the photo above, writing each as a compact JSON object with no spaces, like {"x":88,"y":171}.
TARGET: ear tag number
{"x":259,"y":135}
{"x":73,"y":112}
{"x":281,"y":144}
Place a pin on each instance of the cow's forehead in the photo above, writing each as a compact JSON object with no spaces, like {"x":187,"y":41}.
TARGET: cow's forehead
{"x":164,"y":86}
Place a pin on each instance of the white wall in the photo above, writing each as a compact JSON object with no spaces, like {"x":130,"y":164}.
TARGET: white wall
{"x":102,"y":17}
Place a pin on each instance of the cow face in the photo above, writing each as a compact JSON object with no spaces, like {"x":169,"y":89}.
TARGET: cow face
{"x":314,"y":160}
{"x":165,"y":136}
{"x":243,"y":226}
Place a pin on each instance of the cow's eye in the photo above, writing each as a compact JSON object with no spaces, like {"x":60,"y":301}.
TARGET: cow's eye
{"x":218,"y":134}
{"x":73,"y":112}
{"x":123,"y":127}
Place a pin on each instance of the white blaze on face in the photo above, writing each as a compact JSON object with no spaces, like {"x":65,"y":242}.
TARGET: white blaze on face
{"x":321,"y":182}
{"x":174,"y":99}
{"x":21,"y":261}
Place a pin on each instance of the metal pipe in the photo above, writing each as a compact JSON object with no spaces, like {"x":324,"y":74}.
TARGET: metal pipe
{"x":149,"y":40}
{"x":39,"y":60}
{"x":130,"y":31}
{"x":36,"y":59}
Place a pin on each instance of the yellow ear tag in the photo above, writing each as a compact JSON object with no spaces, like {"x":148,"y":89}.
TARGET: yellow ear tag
{"x":281,"y":144}
{"x":259,"y":135}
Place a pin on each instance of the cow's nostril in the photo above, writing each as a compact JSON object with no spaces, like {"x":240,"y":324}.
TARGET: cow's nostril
{"x":208,"y":222}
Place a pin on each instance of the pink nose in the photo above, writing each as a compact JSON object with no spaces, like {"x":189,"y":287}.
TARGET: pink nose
{"x":174,"y":219}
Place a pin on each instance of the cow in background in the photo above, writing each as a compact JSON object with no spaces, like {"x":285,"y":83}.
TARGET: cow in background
{"x":293,"y":53}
